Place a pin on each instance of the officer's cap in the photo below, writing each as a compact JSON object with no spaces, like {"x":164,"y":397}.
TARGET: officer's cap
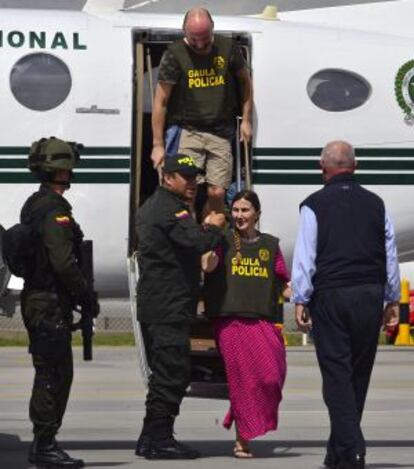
{"x":182,"y":164}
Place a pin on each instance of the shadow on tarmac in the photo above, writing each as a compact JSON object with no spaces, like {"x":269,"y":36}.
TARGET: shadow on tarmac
{"x":105,"y":464}
{"x":387,"y":466}
{"x":220,"y":447}
{"x":14,"y":451}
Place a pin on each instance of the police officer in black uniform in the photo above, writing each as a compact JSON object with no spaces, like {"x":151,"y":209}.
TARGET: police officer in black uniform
{"x":51,"y":288}
{"x":170,"y":246}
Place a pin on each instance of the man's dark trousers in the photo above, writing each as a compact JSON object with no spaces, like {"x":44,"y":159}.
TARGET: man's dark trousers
{"x":53,"y":367}
{"x":346,"y":322}
{"x":167,"y":348}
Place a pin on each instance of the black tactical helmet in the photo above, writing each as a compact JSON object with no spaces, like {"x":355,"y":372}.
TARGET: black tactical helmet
{"x":52,"y":154}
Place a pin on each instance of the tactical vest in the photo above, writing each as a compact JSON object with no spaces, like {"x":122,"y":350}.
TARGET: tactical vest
{"x":206,"y":94}
{"x":248,"y":288}
{"x":42,"y":276}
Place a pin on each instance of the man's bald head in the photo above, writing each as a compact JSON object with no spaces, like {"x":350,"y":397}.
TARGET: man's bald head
{"x":337,"y":157}
{"x":198,"y":17}
{"x":198,"y":30}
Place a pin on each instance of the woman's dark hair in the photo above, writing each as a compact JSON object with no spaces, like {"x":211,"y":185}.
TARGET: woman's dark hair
{"x":253,"y":198}
{"x":250,"y":196}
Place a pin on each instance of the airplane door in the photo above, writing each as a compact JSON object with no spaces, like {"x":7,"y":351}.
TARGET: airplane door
{"x":134,"y":198}
{"x":136,"y":160}
{"x":207,"y":369}
{"x":149,"y":48}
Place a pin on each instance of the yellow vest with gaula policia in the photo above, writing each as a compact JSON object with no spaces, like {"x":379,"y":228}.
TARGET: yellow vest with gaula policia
{"x":247,"y":287}
{"x":205,"y":95}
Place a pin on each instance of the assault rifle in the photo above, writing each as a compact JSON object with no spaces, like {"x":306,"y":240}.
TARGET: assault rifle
{"x":88,"y":307}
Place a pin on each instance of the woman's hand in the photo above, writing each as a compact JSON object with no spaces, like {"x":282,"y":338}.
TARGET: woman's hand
{"x":286,"y":291}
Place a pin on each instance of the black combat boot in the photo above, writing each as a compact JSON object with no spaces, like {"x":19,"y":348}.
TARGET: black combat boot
{"x":149,"y":428}
{"x":46,"y":453}
{"x":355,"y":462}
{"x":143,"y":445}
{"x":157,"y":442}
{"x":329,"y":462}
{"x":170,"y":449}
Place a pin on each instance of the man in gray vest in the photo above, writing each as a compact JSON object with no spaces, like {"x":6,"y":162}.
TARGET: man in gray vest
{"x":345,"y":267}
{"x":196,"y":102}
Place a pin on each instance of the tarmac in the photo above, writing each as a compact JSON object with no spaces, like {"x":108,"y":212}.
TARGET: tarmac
{"x":107,"y":405}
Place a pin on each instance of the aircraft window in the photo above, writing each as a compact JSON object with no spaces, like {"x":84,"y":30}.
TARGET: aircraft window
{"x":338,"y":90}
{"x":40,"y":81}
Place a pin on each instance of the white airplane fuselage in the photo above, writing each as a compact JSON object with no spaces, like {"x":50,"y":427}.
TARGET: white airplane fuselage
{"x":290,"y":129}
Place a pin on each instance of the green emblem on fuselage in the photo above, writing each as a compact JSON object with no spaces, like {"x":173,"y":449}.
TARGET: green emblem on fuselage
{"x":404,"y":90}
{"x":41,"y":40}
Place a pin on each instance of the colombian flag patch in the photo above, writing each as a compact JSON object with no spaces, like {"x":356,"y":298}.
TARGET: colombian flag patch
{"x":182,"y":214}
{"x":63,"y":220}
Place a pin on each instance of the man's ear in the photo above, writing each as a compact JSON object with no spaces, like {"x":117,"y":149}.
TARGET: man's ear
{"x":166,"y":178}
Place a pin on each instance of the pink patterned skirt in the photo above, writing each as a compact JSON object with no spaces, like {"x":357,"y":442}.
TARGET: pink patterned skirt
{"x":254,"y":357}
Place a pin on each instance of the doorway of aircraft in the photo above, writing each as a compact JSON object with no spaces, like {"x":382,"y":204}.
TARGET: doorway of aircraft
{"x":149,"y":46}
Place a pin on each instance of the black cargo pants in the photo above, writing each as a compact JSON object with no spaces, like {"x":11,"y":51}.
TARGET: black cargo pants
{"x":50,"y":346}
{"x":346,"y":323}
{"x":167,"y":347}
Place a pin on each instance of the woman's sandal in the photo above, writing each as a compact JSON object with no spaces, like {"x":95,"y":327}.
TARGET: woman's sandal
{"x":242,"y":451}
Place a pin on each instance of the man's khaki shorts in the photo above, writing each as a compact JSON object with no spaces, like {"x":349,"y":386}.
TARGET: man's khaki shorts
{"x":211,"y":153}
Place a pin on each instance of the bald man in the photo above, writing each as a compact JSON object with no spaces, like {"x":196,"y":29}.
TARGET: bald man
{"x":345,"y":268}
{"x":203,"y":84}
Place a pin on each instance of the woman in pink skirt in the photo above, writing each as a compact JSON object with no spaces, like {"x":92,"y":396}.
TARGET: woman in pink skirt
{"x":244,"y":280}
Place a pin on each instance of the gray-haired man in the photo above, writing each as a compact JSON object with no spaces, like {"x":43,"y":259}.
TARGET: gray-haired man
{"x":344,"y":268}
